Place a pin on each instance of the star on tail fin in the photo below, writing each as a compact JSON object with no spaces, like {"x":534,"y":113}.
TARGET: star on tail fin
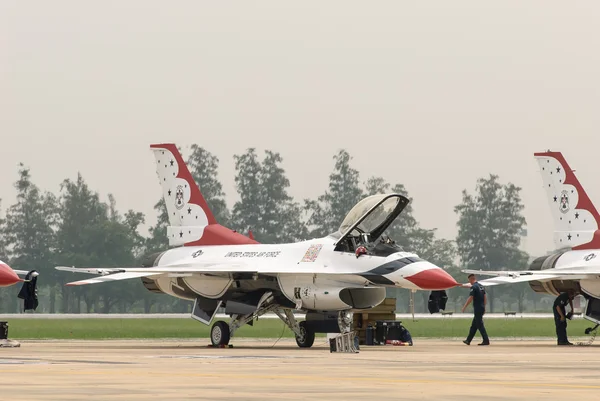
{"x":576,"y":219}
{"x":191,"y":222}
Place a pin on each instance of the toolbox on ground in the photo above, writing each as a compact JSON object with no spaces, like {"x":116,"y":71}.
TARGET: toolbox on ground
{"x":391,"y":330}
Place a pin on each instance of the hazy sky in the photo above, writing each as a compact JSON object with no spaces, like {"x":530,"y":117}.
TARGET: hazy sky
{"x":431,"y":94}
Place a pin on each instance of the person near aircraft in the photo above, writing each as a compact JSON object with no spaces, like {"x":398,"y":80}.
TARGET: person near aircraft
{"x":479,"y":299}
{"x":560,"y":316}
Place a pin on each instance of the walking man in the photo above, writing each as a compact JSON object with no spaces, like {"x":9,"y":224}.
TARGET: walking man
{"x":479,"y":299}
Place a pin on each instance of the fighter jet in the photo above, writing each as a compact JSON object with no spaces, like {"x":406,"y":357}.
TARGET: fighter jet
{"x":575,"y":263}
{"x":220,"y":269}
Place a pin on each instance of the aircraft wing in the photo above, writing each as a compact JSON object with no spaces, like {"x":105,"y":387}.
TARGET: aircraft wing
{"x":125,"y":273}
{"x":111,"y":277}
{"x":508,"y":276}
{"x":207,"y":267}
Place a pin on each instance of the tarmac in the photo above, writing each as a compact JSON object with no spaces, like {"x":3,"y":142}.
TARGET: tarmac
{"x":263,"y":370}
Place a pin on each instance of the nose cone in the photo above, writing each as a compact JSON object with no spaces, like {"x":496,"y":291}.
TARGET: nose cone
{"x":433,"y":279}
{"x":7,"y":276}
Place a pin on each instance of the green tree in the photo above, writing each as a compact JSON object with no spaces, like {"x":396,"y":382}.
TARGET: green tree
{"x":204,"y":167}
{"x":158,"y":240}
{"x":247,"y":212}
{"x":93,"y":233}
{"x":29,"y":232}
{"x":281,"y":217}
{"x":489,"y":227}
{"x":330,"y":209}
{"x":376,"y":185}
{"x":265,"y":205}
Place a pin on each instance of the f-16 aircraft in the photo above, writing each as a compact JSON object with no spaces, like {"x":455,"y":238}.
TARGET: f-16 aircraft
{"x":575,"y":265}
{"x":216,"y":267}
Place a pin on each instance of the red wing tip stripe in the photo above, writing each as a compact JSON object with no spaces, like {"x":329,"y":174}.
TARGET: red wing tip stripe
{"x":161,"y":145}
{"x":547,"y":154}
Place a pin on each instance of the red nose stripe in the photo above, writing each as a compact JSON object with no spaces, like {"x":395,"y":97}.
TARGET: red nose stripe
{"x":7,"y":276}
{"x":433,"y":279}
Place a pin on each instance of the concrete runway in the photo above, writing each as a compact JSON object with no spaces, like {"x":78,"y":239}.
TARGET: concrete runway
{"x":252,"y":370}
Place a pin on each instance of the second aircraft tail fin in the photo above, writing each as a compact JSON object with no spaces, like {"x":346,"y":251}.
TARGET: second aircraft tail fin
{"x":576,"y":219}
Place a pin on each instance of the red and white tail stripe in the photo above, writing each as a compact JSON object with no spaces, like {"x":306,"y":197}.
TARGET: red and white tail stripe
{"x":191,"y":222}
{"x":576,"y":219}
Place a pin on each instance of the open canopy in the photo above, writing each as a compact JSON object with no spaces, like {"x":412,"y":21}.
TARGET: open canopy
{"x":372,"y":215}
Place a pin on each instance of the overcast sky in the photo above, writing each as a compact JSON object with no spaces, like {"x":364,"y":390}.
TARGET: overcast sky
{"x":431,"y":94}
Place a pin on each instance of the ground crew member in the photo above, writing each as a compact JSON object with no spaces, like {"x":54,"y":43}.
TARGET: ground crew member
{"x":560,"y":316}
{"x":479,"y":299}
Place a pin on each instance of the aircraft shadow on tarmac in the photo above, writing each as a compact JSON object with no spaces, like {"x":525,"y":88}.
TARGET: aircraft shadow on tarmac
{"x":318,"y":348}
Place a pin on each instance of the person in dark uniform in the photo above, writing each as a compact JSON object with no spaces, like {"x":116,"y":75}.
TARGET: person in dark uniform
{"x":560,"y":316}
{"x":479,"y":299}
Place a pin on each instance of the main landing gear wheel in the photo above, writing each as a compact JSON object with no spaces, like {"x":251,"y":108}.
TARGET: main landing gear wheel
{"x":219,"y":333}
{"x":306,"y":337}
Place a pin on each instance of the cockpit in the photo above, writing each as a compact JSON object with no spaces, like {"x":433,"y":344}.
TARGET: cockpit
{"x":363,"y":229}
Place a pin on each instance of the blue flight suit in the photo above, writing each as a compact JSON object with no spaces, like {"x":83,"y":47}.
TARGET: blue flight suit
{"x":561,"y":327}
{"x":478,"y":294}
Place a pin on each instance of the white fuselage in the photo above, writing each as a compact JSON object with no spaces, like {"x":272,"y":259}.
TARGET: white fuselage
{"x":294,"y":266}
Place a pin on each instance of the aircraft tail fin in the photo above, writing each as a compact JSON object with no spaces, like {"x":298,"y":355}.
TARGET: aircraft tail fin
{"x":191,"y":222}
{"x":576,"y":219}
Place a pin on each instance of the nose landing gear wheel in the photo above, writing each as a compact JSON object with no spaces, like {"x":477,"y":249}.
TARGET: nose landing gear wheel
{"x":307,"y":337}
{"x":219,"y":333}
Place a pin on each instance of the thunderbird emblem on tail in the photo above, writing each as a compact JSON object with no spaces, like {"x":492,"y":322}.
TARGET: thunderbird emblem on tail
{"x":564,"y":202}
{"x":179,"y":197}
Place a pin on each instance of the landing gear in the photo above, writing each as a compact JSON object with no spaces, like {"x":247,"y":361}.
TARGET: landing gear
{"x":305,"y":330}
{"x":345,"y":320}
{"x":306,"y":338}
{"x":220,"y":334}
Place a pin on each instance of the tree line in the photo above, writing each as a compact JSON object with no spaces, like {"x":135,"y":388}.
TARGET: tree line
{"x":75,"y":227}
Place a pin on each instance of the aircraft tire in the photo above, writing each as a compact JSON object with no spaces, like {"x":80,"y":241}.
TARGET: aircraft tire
{"x":307,"y":340}
{"x":219,"y":333}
